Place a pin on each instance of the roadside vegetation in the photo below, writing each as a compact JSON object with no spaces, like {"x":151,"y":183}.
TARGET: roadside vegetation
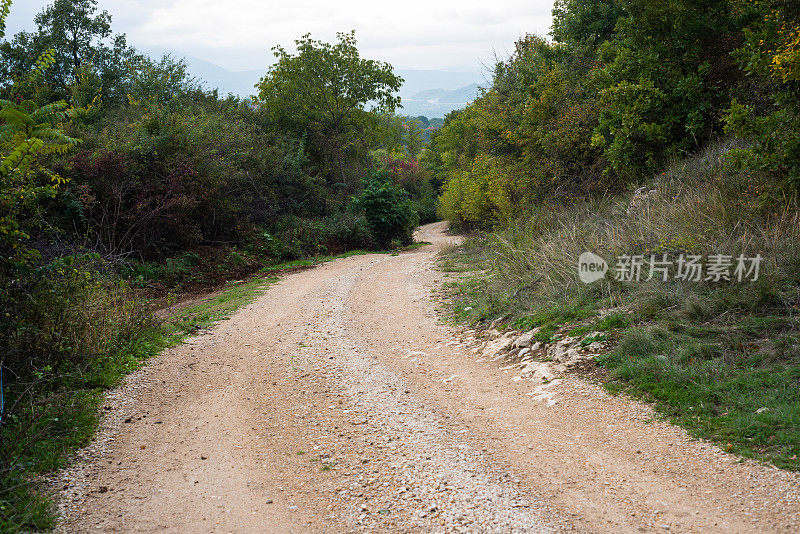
{"x":126,"y":184}
{"x":645,"y":129}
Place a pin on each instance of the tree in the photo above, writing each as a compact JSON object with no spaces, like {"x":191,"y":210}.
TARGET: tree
{"x":771,"y":55}
{"x":414,"y":141}
{"x":88,"y":60}
{"x":27,"y":133}
{"x":70,"y":27}
{"x":324,"y":92}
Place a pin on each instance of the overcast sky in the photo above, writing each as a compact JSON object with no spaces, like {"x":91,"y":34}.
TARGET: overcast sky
{"x":237,"y":34}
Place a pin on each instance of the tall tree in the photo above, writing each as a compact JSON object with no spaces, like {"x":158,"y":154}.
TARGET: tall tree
{"x":88,"y":60}
{"x":72,"y":28}
{"x":329,"y":93}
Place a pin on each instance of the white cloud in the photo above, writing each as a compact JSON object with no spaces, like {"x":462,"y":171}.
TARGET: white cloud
{"x":237,"y":34}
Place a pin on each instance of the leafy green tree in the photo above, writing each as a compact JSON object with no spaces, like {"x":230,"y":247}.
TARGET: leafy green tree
{"x":89,"y":61}
{"x":328,"y":92}
{"x":72,"y":28}
{"x":771,"y":54}
{"x":413,"y":137}
{"x":584,"y":25}
{"x":667,"y":73}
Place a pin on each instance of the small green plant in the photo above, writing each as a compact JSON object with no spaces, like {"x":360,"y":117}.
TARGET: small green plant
{"x":613,"y":321}
{"x":328,"y":466}
{"x":588,"y":340}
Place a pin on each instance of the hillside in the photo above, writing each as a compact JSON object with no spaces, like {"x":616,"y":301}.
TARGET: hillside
{"x":639,"y":195}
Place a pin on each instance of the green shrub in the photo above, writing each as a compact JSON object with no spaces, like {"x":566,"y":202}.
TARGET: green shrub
{"x":388,"y":211}
{"x":68,"y":330}
{"x":348,"y":231}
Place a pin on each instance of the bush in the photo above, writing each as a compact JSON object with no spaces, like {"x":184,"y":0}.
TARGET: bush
{"x":65,"y":314}
{"x":348,"y":231}
{"x":67,"y":332}
{"x":388,"y":211}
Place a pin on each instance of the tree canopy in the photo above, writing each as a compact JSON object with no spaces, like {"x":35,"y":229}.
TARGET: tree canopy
{"x":327,"y":91}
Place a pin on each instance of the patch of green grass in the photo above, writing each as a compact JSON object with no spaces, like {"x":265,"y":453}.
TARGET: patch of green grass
{"x":588,"y":340}
{"x":749,"y":403}
{"x":551,"y":317}
{"x":317,"y":260}
{"x":547,"y":334}
{"x":580,"y":331}
{"x":311,"y":262}
{"x":220,"y":307}
{"x":613,"y":321}
{"x":464,"y":258}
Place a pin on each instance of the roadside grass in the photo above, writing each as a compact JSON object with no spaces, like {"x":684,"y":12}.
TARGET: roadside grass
{"x":746,"y":400}
{"x":318,"y":260}
{"x":205,"y":314}
{"x":55,"y":414}
{"x":720,"y":359}
{"x":311,"y":262}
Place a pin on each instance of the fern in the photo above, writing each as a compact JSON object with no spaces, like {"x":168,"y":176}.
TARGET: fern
{"x":54,"y":110}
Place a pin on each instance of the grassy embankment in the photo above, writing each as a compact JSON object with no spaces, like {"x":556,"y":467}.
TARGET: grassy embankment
{"x":720,"y":359}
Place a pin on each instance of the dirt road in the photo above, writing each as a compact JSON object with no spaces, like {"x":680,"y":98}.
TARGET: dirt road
{"x":337,"y":402}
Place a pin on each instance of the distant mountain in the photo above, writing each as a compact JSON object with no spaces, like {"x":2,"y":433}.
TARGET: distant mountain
{"x":241,"y":83}
{"x":453,"y":89}
{"x":438,"y":102}
{"x":416,"y":81}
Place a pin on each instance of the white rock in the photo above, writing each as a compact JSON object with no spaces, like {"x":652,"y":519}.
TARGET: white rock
{"x":543,"y":373}
{"x":563,"y":352}
{"x":538,"y":371}
{"x":525,"y":340}
{"x":501,"y":344}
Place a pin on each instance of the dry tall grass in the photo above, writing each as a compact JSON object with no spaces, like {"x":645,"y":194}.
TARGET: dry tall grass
{"x":696,"y":207}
